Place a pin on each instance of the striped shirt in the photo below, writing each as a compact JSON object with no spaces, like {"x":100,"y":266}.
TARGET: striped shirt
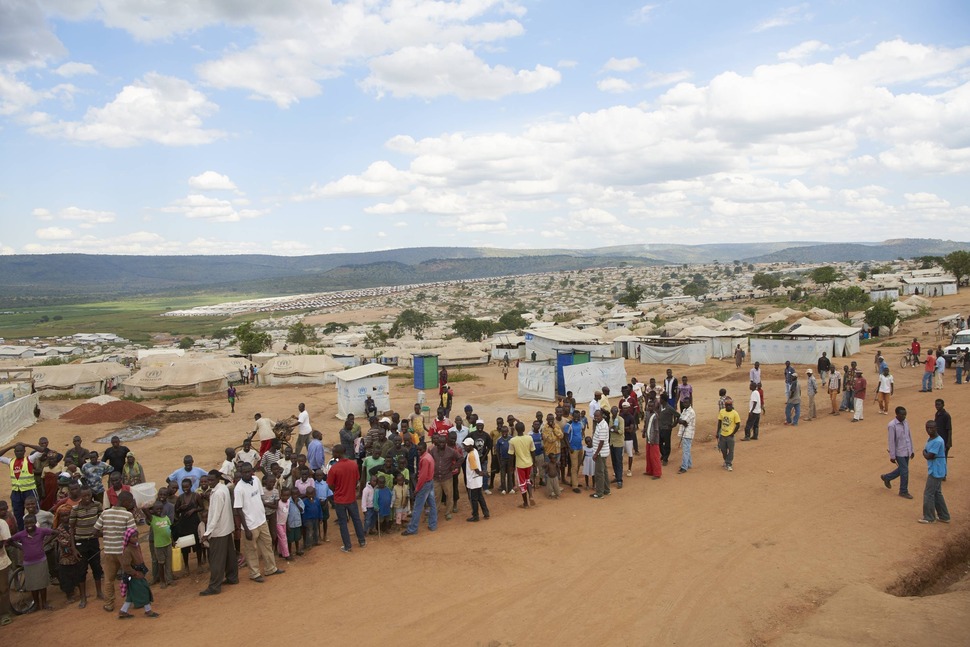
{"x":113,"y":523}
{"x":83,"y":518}
{"x":601,"y":433}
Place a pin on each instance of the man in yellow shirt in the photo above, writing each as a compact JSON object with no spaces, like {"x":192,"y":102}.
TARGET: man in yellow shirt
{"x":416,"y":422}
{"x":729,"y":421}
{"x":523,"y":449}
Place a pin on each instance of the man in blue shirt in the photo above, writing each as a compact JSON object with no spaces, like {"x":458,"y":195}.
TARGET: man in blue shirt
{"x":934,"y":507}
{"x":315,"y":454}
{"x":187,"y":472}
{"x":539,"y":459}
{"x":574,"y":436}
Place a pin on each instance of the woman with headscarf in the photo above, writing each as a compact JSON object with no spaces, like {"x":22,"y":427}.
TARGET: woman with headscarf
{"x":134,"y":585}
{"x":132,"y":473}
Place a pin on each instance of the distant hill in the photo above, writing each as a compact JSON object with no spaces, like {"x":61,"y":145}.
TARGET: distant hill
{"x":889,"y":250}
{"x":49,"y":278}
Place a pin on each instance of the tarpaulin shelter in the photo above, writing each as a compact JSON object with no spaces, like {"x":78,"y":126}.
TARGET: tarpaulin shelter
{"x":584,"y":379}
{"x":355,"y":384}
{"x":673,"y":350}
{"x":179,"y":377}
{"x":79,"y":379}
{"x":804,"y":341}
{"x":537,"y":381}
{"x":545,"y":342}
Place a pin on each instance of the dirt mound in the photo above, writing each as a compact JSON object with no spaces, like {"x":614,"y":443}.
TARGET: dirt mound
{"x":80,"y":411}
{"x":119,"y":411}
{"x":163,"y":418}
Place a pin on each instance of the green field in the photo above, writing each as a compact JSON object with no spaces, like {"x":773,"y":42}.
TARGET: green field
{"x":136,"y":319}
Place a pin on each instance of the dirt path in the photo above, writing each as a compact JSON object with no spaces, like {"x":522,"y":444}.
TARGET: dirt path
{"x":706,"y":558}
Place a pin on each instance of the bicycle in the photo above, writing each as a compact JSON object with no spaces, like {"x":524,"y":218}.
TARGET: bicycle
{"x":21,"y":601}
{"x":908,"y":360}
{"x":283,"y":430}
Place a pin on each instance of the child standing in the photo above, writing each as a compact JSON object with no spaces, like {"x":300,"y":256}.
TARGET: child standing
{"x":589,"y":464}
{"x":401,"y":495}
{"x":382,"y":501}
{"x":294,"y":525}
{"x":367,"y":503}
{"x":282,"y":514}
{"x":70,"y":569}
{"x":324,"y":493}
{"x":161,"y":545}
{"x":552,"y":480}
{"x":504,"y":464}
{"x":36,"y":575}
{"x":312,"y":516}
{"x":134,"y":585}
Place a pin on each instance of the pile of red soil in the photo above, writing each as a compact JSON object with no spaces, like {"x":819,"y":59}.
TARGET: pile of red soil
{"x":119,"y":411}
{"x":80,"y":410}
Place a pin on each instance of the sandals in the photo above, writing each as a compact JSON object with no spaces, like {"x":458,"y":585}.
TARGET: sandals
{"x":124,"y":615}
{"x":152,"y":614}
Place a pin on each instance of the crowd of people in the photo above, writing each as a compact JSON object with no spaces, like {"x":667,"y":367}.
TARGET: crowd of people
{"x":78,"y":512}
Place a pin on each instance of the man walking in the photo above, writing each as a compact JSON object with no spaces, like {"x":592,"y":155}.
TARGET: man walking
{"x":688,"y":425}
{"x":424,"y":493}
{"x":900,"y":451}
{"x":885,"y":389}
{"x":223,"y":566}
{"x":824,"y":365}
{"x":446,"y":461}
{"x":112,"y":526}
{"x":753,"y":423}
{"x":940,"y":367}
{"x":934,"y":506}
{"x":859,"y":392}
{"x":929,"y":368}
{"x":666,"y":419}
{"x":671,"y":387}
{"x":473,"y":480}
{"x":728,"y":424}
{"x":251,"y":515}
{"x":793,"y":403}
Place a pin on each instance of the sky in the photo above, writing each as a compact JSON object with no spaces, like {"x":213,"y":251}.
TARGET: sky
{"x":299,"y":127}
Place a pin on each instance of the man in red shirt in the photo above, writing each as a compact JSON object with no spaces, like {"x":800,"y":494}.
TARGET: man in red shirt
{"x":342,"y":479}
{"x":928,"y":371}
{"x":423,"y":493}
{"x":440,"y":425}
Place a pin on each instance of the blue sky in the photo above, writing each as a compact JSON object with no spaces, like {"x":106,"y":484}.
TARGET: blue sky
{"x":311,"y":126}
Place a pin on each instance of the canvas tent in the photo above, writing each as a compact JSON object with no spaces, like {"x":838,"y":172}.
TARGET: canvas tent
{"x":300,"y":369}
{"x":79,"y":379}
{"x":507,"y":343}
{"x":179,"y":377}
{"x":669,"y":350}
{"x":804,"y":341}
{"x":545,"y":342}
{"x":355,"y":384}
{"x":584,"y":379}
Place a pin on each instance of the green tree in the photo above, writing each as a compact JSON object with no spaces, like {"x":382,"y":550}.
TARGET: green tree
{"x":334,"y":327}
{"x":825,"y":276}
{"x":751,"y":311}
{"x":411,"y":320}
{"x":845,"y":299}
{"x":693,"y":289}
{"x":471,"y":329}
{"x":251,"y":340}
{"x":186,"y":343}
{"x":765,"y":281}
{"x":300,"y":333}
{"x":881,"y":314}
{"x":958,"y":264}
{"x":631,"y":296}
{"x":375,"y":337}
{"x":512,"y":320}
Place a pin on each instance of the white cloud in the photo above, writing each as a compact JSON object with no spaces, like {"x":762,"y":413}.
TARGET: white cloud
{"x":643,"y":14}
{"x":785,"y":17}
{"x":769,"y":148}
{"x":54,"y":233}
{"x":73,"y":68}
{"x":197,"y":206}
{"x":157,"y":109}
{"x":660,"y":79}
{"x":146,"y":242}
{"x":212,"y":181}
{"x":15,"y":95}
{"x":566,"y":64}
{"x":25,"y":37}
{"x":803,"y":50}
{"x":432,"y":71}
{"x":87,"y":217}
{"x":613,"y":85}
{"x":42,"y":214}
{"x":622,"y":64}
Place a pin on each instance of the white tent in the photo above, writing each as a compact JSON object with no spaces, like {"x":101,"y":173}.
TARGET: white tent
{"x":300,"y":369}
{"x":545,"y":341}
{"x":537,"y":381}
{"x":584,"y":379}
{"x":355,"y":384}
{"x":180,"y":377}
{"x":79,"y":379}
{"x":666,"y":350}
{"x":720,"y":343}
{"x":775,"y":350}
{"x":507,"y":343}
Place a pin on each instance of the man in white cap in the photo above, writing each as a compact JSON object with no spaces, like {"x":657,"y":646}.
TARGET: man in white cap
{"x":811,"y":388}
{"x":474,"y":478}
